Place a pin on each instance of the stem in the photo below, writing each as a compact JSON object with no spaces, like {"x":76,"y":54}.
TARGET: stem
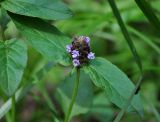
{"x":8,"y":118}
{"x":7,"y":114}
{"x":13,"y":108}
{"x":74,"y":95}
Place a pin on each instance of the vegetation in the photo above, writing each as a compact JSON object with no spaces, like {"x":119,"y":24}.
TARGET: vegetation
{"x":79,"y":61}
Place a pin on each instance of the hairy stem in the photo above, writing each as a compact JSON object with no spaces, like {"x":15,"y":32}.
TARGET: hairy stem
{"x":74,"y":95}
{"x":13,"y":108}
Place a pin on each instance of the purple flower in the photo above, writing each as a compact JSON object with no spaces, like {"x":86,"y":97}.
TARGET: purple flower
{"x":68,"y":48}
{"x":87,"y":39}
{"x":75,"y":53}
{"x":76,"y":62}
{"x":90,"y":55}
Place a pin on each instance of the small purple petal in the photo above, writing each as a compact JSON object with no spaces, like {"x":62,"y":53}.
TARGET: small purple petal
{"x":75,"y":53}
{"x":87,"y":39}
{"x":68,"y":48}
{"x":91,"y":55}
{"x":76,"y":62}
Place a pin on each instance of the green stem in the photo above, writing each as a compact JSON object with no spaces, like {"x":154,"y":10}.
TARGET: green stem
{"x":74,"y":95}
{"x":8,"y":118}
{"x":13,"y":108}
{"x":7,"y":114}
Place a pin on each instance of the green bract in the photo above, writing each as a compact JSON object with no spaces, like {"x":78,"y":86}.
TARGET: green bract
{"x":13,"y":59}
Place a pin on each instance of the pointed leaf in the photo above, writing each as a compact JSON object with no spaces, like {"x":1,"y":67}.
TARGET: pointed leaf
{"x":116,"y":84}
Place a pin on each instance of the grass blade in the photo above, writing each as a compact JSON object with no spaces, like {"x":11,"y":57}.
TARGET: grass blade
{"x":121,"y":113}
{"x":145,"y":39}
{"x":134,"y":52}
{"x":148,"y":12}
{"x":125,"y":33}
{"x":155,"y":112}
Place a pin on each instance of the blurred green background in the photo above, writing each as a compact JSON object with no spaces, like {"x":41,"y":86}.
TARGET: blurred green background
{"x":94,"y":18}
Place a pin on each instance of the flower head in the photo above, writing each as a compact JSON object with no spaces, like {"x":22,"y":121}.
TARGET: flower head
{"x":75,"y":53}
{"x":80,"y":51}
{"x":69,"y":48}
{"x":90,"y":55}
{"x":76,"y":62}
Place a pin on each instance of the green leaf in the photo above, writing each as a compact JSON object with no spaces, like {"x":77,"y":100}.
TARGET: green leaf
{"x":45,"y":38}
{"x":13,"y":60}
{"x":125,"y":33}
{"x":46,"y":9}
{"x":85,"y":92}
{"x":149,"y":13}
{"x":117,"y":85}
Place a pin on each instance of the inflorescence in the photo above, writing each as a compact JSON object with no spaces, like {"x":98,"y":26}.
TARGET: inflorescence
{"x":80,"y":51}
